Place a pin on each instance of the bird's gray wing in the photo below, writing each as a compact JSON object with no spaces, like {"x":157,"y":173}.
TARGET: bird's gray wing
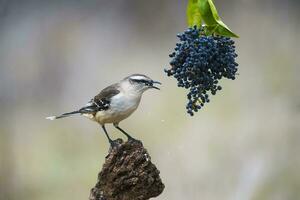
{"x":102,"y":100}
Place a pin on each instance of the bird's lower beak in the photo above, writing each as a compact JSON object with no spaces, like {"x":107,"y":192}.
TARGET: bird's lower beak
{"x":155,"y":82}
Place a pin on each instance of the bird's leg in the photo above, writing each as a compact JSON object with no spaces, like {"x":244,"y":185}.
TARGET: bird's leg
{"x":111,"y":142}
{"x":127,"y":135}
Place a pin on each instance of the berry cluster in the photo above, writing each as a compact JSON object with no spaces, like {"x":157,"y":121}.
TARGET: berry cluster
{"x":199,"y":62}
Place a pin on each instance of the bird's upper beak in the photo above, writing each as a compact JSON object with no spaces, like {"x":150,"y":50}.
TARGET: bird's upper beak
{"x":153,"y":86}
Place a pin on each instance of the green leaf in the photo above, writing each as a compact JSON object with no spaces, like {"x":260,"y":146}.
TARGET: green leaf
{"x":225,"y":31}
{"x":193,"y":14}
{"x":212,"y":19}
{"x":219,"y":30}
{"x":209,"y":30}
{"x":206,"y":12}
{"x":222,"y":28}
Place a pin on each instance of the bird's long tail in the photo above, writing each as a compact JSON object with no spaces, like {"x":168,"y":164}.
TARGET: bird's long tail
{"x":63,"y":115}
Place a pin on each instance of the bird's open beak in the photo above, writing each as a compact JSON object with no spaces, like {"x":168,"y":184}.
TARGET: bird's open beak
{"x":155,"y":82}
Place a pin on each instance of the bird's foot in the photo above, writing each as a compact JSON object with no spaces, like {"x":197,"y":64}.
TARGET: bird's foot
{"x":131,"y":139}
{"x":114,"y":143}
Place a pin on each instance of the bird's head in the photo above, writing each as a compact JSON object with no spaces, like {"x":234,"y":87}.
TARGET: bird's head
{"x":140,"y":82}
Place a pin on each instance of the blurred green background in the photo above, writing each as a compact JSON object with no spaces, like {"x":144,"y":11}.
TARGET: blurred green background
{"x":56,"y":55}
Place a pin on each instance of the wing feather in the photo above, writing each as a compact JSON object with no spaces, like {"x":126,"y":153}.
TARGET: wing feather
{"x":102,"y":100}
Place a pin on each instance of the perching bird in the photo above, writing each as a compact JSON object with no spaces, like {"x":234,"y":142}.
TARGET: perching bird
{"x":115,"y":103}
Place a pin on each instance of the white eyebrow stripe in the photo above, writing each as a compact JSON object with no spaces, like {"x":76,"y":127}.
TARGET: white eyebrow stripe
{"x":139,"y":78}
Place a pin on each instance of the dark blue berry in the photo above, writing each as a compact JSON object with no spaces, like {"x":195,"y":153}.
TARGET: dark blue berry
{"x":198,"y":62}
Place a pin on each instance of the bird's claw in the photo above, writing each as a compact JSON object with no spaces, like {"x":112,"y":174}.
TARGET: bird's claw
{"x":133,"y":140}
{"x":113,"y":144}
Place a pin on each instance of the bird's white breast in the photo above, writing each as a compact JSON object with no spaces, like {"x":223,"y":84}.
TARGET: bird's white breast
{"x":121,"y":106}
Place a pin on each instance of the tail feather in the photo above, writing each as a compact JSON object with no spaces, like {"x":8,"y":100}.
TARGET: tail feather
{"x":63,"y":115}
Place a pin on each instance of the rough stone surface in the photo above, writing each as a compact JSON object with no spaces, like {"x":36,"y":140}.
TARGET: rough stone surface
{"x":127,"y":174}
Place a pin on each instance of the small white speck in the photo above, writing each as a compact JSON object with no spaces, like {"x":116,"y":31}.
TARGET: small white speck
{"x":162,"y":120}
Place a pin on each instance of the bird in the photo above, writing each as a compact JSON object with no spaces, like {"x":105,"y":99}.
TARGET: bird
{"x":115,"y":103}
